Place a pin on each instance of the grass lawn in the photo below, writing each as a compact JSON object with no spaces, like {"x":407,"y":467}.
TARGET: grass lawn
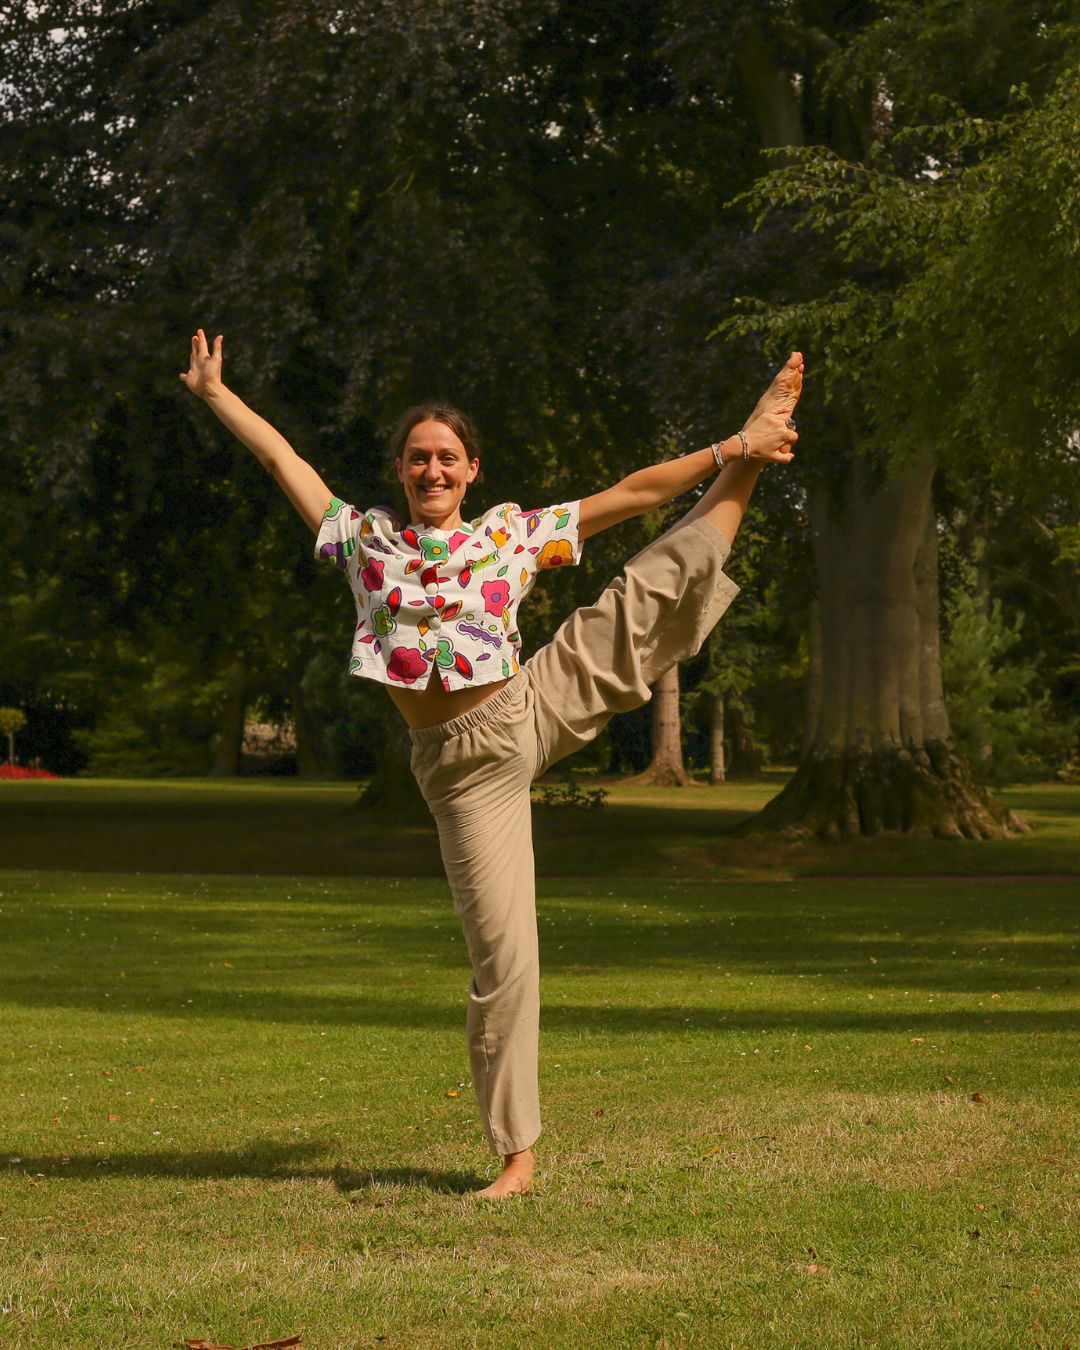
{"x":782,"y":1108}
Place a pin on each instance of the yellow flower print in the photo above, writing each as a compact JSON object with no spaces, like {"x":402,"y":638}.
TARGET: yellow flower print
{"x":555,"y":553}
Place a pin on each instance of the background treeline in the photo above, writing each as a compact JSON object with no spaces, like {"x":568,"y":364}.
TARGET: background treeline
{"x":598,"y":227}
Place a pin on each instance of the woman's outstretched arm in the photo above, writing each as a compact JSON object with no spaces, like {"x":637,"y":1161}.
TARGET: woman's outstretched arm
{"x":297,"y":479}
{"x":769,"y":438}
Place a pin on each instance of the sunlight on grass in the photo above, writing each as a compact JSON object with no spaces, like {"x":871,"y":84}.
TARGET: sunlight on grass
{"x":838,"y":1112}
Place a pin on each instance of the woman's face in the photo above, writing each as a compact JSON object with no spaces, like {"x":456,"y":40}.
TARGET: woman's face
{"x":435,"y":470}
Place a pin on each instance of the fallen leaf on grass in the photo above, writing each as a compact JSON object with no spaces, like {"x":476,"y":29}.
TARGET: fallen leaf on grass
{"x":918,"y":1040}
{"x":453,"y":1092}
{"x":975,"y":1233}
{"x":977,"y":1097}
{"x":263,"y":1345}
{"x":814,"y":1268}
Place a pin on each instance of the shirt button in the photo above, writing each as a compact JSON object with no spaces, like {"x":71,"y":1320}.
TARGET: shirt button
{"x":434,"y":623}
{"x":431,"y":588}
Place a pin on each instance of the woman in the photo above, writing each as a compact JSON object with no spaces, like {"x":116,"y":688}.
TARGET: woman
{"x":436,"y":600}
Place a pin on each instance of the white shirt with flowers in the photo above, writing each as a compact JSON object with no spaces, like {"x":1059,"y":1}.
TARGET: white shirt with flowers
{"x":445,"y":598}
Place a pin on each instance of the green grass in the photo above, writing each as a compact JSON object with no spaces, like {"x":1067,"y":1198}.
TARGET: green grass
{"x":225,"y":1108}
{"x":281,"y":828}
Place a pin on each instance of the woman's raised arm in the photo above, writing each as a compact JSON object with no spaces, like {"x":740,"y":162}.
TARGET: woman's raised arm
{"x":768,"y":439}
{"x":297,"y":479}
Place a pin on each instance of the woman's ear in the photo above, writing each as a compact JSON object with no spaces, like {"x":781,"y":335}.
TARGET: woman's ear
{"x":398,"y":470}
{"x":474,"y":469}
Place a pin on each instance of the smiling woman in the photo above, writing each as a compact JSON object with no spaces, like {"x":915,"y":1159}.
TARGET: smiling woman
{"x":435,"y":456}
{"x":436,"y":601}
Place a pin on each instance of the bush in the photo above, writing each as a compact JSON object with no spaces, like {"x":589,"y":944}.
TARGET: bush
{"x":1001,"y":718}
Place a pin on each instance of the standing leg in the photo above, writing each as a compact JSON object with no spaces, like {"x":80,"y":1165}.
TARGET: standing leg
{"x":476,"y":783}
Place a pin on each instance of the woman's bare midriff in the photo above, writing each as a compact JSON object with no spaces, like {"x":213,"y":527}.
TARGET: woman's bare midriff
{"x":433,"y":704}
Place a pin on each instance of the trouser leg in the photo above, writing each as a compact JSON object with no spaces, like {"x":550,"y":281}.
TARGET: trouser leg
{"x":477,"y":786}
{"x":605,"y":657}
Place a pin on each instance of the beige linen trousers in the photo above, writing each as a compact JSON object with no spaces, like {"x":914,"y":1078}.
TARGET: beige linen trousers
{"x":475,"y":772}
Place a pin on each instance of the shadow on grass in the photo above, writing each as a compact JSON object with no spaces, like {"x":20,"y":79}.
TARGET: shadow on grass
{"x":376,"y":1012}
{"x":262,"y":1160}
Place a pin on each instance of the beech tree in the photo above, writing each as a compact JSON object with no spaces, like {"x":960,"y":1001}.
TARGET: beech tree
{"x":847,"y":80}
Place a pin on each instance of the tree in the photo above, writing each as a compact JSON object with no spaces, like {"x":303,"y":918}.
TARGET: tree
{"x":666,"y":767}
{"x":12,"y":720}
{"x":955,"y":307}
{"x":904,"y":219}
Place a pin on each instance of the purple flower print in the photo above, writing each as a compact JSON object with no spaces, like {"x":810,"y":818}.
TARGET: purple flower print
{"x":337,"y":554}
{"x":496,"y":596}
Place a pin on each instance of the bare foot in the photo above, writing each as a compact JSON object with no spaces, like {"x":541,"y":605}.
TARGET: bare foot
{"x":515,"y":1178}
{"x":784,"y":391}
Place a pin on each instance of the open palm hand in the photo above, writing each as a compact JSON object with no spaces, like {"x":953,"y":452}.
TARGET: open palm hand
{"x":204,"y":369}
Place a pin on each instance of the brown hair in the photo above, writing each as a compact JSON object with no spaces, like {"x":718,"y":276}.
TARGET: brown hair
{"x":458,"y":422}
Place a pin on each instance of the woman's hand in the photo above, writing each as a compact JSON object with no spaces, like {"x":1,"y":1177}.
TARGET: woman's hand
{"x":770,"y":438}
{"x":203,"y":375}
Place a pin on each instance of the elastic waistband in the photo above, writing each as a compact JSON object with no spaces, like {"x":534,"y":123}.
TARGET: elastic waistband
{"x":475,"y":717}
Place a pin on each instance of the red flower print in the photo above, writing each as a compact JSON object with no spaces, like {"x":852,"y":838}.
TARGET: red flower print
{"x":372,"y":574}
{"x":496,"y":596}
{"x":406,"y":664}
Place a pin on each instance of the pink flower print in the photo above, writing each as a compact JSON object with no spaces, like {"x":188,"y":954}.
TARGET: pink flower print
{"x":372,"y":574}
{"x":496,"y":596}
{"x":406,"y":664}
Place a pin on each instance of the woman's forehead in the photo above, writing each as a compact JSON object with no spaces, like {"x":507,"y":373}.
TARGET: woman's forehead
{"x":433,"y":436}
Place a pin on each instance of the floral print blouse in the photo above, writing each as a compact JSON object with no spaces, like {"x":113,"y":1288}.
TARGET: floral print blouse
{"x":448,"y":598}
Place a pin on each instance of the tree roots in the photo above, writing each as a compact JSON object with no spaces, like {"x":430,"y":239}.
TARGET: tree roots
{"x":928,"y":790}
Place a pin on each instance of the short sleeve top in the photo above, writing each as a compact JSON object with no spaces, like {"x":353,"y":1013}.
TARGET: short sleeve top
{"x":446,"y":598}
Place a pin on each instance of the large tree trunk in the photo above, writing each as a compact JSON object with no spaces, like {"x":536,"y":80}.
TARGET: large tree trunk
{"x":311,"y":759}
{"x":230,"y":738}
{"x":879,"y":753}
{"x":666,"y":768}
{"x":717,"y":757}
{"x":881,"y":756}
{"x":392,"y":792}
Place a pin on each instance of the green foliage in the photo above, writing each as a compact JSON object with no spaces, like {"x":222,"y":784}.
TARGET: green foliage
{"x":571,"y":794}
{"x":942,"y":319}
{"x":11,"y":721}
{"x":159,"y":722}
{"x":999,"y":708}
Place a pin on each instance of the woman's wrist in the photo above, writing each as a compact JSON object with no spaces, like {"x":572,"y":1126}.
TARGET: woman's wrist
{"x":731,"y":450}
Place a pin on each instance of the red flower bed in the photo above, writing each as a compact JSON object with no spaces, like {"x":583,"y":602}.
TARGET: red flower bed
{"x":17,"y":771}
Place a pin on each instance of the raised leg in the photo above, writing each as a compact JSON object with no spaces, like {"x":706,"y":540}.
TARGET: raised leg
{"x":604,"y":658}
